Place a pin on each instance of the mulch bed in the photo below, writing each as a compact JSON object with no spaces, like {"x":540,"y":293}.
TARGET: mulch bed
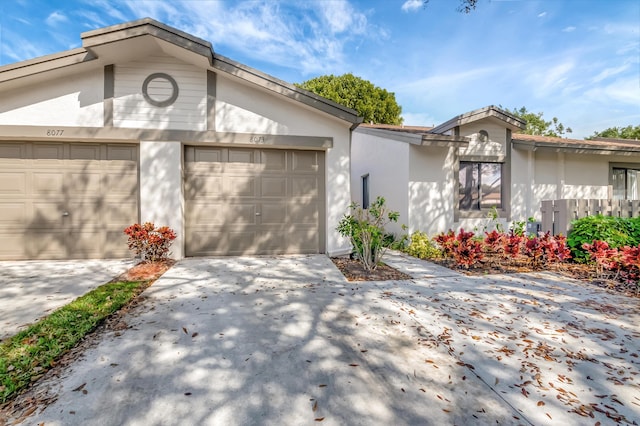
{"x":353,"y":271}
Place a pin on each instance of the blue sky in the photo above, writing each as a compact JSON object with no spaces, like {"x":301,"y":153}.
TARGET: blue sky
{"x":578,"y":60}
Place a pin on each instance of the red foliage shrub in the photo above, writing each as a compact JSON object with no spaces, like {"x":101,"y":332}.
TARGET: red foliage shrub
{"x":467,"y":251}
{"x":446,"y":242}
{"x":493,"y":241}
{"x":148,"y":242}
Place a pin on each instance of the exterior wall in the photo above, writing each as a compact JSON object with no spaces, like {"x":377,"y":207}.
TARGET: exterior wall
{"x":243,"y":108}
{"x":75,"y":100}
{"x":386,"y":162}
{"x":131,"y":110}
{"x":161,"y":195}
{"x":497,"y":144}
{"x":431,"y":189}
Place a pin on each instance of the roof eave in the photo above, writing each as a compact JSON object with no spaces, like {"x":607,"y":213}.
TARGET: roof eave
{"x":418,"y":139}
{"x":490,"y":111}
{"x":575,"y":148}
{"x":283,"y":88}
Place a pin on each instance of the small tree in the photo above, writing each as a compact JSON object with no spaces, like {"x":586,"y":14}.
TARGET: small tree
{"x":148,"y":242}
{"x":365,"y":228}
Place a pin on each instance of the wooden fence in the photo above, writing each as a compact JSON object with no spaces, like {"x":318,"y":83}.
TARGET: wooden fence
{"x":557,"y":215}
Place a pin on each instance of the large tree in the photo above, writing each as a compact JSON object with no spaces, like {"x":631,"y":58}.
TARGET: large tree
{"x":536,"y":125}
{"x":629,"y":132}
{"x":373,"y":104}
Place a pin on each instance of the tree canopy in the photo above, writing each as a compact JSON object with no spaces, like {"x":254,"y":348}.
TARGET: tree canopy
{"x":373,"y":104}
{"x":536,"y":125}
{"x":629,"y":132}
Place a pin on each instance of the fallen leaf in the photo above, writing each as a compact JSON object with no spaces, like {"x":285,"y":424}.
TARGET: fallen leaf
{"x":194,"y":334}
{"x":540,"y":403}
{"x":315,"y":406}
{"x":79,"y":388}
{"x":548,"y":415}
{"x":185,"y":330}
{"x":322,"y":386}
{"x":319,"y":419}
{"x":353,"y":365}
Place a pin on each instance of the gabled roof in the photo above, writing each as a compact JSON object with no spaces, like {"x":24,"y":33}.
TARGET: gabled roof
{"x":491,"y":111}
{"x":130,"y":40}
{"x":595,"y":146}
{"x":415,"y":135}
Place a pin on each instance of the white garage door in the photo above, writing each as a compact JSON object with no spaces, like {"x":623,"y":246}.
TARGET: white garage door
{"x":253,"y":201}
{"x":66,"y":200}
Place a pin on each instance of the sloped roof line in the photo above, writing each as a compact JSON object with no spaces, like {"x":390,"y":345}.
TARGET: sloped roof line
{"x":147,"y":26}
{"x":478,"y":114}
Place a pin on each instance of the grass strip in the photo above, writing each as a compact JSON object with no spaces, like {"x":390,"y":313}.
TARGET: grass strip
{"x":30,"y":353}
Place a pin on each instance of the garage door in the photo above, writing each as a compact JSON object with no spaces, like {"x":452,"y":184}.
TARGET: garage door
{"x":66,"y":200}
{"x":253,"y":201}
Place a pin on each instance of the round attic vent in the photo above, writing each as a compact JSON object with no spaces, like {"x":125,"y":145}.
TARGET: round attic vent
{"x":160,"y":89}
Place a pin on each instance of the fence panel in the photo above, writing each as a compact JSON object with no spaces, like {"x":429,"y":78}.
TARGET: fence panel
{"x":557,"y":215}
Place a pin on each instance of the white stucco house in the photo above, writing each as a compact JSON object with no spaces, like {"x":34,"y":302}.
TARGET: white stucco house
{"x":451,"y":176}
{"x":144,"y":122}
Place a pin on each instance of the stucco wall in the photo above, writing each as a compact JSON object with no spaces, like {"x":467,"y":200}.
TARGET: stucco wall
{"x":431,"y":189}
{"x":161,"y":193}
{"x":130,"y":109}
{"x":497,"y":138}
{"x":75,"y":100}
{"x":387,"y":163}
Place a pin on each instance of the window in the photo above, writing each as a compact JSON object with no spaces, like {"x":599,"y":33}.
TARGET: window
{"x":365,"y":191}
{"x":480,"y":185}
{"x":625,"y":183}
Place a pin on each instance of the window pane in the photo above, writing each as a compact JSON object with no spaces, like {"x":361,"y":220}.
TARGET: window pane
{"x":468,"y":186}
{"x":491,"y":179}
{"x":632,"y":185}
{"x":618,"y":183}
{"x":365,"y":191}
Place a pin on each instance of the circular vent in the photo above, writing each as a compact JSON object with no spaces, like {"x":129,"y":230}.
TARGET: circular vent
{"x":160,"y":89}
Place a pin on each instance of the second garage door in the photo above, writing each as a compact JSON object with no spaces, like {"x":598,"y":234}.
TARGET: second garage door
{"x":253,"y":201}
{"x":66,"y":200}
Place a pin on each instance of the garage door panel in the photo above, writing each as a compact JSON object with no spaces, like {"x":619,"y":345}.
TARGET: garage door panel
{"x":48,"y":183}
{"x":45,"y":244}
{"x":253,"y":181}
{"x":238,"y":186}
{"x":304,"y":211}
{"x":305,"y":161}
{"x":274,"y":160}
{"x":304,"y":186}
{"x":11,"y":151}
{"x":83,"y":183}
{"x":121,"y":186}
{"x":202,"y":186}
{"x":46,"y":215}
{"x":273,"y":186}
{"x":13,"y":183}
{"x":13,"y":214}
{"x":274,"y":214}
{"x":97,"y":184}
{"x":86,"y":244}
{"x":115,"y":244}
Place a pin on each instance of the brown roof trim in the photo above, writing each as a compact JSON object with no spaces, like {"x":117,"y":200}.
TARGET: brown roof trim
{"x":147,"y":26}
{"x":609,"y":146}
{"x":515,"y":123}
{"x":414,"y":138}
{"x":281,"y":87}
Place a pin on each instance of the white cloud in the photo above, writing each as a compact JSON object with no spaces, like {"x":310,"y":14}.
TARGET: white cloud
{"x":56,"y":18}
{"x":569,"y":29}
{"x":542,"y":15}
{"x":608,"y":72}
{"x":411,"y":5}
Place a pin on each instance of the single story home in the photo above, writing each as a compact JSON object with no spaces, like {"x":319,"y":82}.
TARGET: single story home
{"x":456,"y":174}
{"x":145,"y":122}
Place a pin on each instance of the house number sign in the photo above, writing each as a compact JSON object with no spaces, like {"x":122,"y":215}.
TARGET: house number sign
{"x":153,"y":98}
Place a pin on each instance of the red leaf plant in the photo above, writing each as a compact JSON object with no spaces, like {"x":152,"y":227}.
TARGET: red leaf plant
{"x":148,"y":242}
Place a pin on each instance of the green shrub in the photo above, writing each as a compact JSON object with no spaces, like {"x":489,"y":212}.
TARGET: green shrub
{"x":365,"y":228}
{"x":616,"y":231}
{"x":422,"y":247}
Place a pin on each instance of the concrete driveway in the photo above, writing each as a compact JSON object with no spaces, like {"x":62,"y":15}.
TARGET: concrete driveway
{"x":30,"y":290}
{"x":286,"y":340}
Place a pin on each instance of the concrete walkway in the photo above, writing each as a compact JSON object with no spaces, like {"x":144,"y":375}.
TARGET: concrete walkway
{"x":33,"y":289}
{"x":286,"y":340}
